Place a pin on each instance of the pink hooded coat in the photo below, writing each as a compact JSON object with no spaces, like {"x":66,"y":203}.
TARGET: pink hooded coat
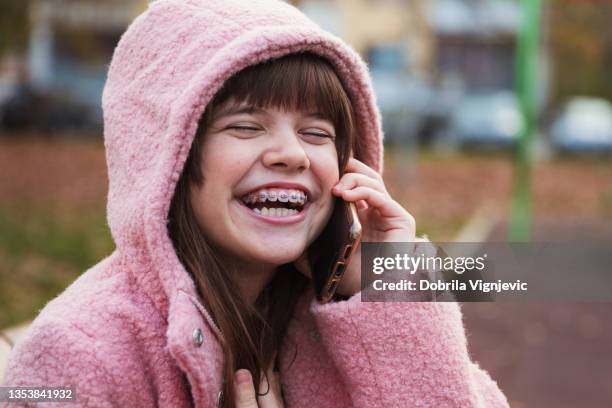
{"x":130,"y":332}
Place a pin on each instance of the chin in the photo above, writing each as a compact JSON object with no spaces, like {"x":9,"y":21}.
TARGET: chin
{"x":279,"y":256}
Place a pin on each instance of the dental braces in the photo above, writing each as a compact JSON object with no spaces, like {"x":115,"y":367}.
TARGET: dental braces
{"x":282,"y":196}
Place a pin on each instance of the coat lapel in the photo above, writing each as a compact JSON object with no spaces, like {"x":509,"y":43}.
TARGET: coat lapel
{"x":194,"y":342}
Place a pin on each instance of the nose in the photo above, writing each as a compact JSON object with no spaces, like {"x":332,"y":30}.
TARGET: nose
{"x":286,"y":152}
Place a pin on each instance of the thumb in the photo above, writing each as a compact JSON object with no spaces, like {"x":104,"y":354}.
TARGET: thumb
{"x":244,"y":390}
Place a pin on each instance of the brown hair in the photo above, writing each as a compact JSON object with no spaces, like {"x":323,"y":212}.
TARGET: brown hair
{"x":302,"y":81}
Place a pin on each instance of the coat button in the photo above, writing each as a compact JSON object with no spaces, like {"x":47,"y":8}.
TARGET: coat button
{"x":198,"y":337}
{"x":220,"y":399}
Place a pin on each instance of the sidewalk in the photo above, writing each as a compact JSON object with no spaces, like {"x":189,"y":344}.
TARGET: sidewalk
{"x":8,"y":338}
{"x":547,"y":354}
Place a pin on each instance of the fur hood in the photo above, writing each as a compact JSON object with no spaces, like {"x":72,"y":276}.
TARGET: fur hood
{"x":166,"y":68}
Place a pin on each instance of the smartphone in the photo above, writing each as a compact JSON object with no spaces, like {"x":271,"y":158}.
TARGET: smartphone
{"x":331,"y":252}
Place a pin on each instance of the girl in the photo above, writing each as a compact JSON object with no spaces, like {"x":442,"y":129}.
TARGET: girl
{"x":207,"y":299}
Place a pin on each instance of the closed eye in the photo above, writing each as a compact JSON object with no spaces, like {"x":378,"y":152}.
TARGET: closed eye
{"x":244,"y":128}
{"x":254,"y":129}
{"x":319,"y":134}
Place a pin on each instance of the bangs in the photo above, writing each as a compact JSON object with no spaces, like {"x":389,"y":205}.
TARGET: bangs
{"x":294,"y":82}
{"x":301,"y":81}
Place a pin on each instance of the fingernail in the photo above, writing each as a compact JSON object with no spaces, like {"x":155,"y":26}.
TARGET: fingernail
{"x":339,"y":186}
{"x":243,"y":376}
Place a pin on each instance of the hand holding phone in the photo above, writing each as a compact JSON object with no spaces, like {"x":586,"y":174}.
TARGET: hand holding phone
{"x":332,"y":251}
{"x":380,"y":219}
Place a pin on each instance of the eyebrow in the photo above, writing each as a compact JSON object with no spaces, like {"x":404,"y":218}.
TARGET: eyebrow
{"x":251,"y":109}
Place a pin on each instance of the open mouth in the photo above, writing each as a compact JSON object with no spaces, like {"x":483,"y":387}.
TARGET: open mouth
{"x":276,"y":203}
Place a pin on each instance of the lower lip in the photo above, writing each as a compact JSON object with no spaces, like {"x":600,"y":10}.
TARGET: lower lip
{"x":286,"y":220}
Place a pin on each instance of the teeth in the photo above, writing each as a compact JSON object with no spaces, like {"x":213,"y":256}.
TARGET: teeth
{"x":283,"y":197}
{"x":276,"y":212}
{"x":301,"y":197}
{"x":293,"y":196}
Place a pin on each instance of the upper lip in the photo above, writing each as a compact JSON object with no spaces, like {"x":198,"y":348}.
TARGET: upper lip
{"x":282,"y":184}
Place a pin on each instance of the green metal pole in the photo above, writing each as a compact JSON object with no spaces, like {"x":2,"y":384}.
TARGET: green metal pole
{"x":526,"y":86}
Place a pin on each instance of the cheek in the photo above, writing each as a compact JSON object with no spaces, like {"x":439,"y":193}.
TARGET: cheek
{"x":224,"y":164}
{"x":325,"y":167}
{"x":202,"y":206}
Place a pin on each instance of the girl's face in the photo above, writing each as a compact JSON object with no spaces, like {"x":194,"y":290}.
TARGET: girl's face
{"x":268,"y":176}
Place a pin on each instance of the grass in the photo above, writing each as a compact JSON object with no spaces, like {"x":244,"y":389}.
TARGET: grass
{"x":41,"y":253}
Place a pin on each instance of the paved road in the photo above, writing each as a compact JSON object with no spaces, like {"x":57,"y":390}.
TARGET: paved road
{"x":547,"y":354}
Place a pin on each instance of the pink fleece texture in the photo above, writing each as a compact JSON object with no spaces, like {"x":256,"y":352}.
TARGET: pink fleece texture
{"x":122,"y":334}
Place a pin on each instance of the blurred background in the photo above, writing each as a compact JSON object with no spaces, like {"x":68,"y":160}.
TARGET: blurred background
{"x":498,"y":126}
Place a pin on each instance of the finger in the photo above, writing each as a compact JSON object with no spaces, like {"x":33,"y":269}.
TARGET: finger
{"x":269,"y":390}
{"x":361,"y":205}
{"x":265,"y":387}
{"x":382,"y":202}
{"x":355,"y":165}
{"x":352,"y":180}
{"x":244,"y":390}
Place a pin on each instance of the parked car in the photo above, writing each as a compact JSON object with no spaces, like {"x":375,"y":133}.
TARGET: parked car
{"x":7,"y":92}
{"x":403,"y":102}
{"x":403,"y":99}
{"x":584,"y":125}
{"x":487,"y":119}
{"x":24,"y":108}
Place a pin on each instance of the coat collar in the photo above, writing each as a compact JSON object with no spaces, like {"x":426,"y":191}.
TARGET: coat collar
{"x":195,"y":343}
{"x":193,"y":339}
